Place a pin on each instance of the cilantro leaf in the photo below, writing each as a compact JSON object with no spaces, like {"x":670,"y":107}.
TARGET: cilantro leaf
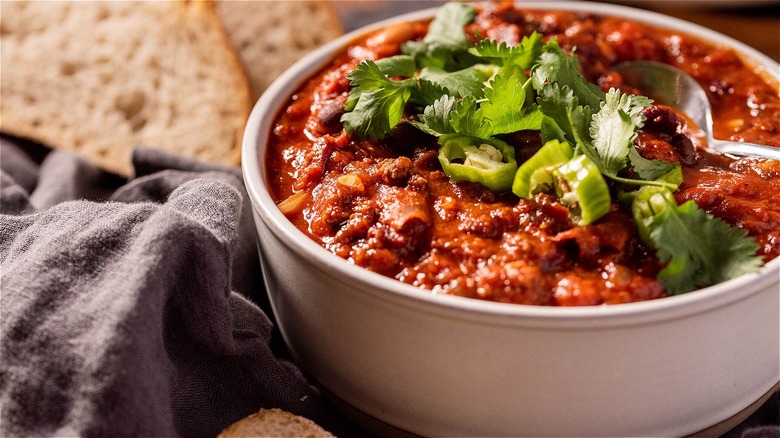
{"x":634,"y":105}
{"x":367,"y":77}
{"x":557,"y":103}
{"x":376,"y":103}
{"x":436,"y":118}
{"x":579,"y":119}
{"x":503,"y":111}
{"x":399,"y":65}
{"x":376,"y":112}
{"x":550,"y":129}
{"x":447,"y":25}
{"x":522,"y":56}
{"x":697,"y":248}
{"x":445,"y":46}
{"x":465,"y":82}
{"x":494,"y":51}
{"x":606,"y":137}
{"x":561,"y":106}
{"x":429,"y":55}
{"x":554,"y":66}
{"x":426,"y":92}
{"x":655,"y":170}
{"x":613,"y":128}
{"x":440,"y":56}
{"x":505,"y":101}
{"x":531,"y":120}
{"x":449,"y":115}
{"x":468,"y":119}
{"x":531,"y":49}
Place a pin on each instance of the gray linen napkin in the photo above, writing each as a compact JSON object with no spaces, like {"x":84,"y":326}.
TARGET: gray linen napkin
{"x":124,"y":303}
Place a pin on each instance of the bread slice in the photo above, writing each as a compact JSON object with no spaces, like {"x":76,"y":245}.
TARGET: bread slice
{"x":271,"y":35}
{"x":99,"y":77}
{"x":274,"y":423}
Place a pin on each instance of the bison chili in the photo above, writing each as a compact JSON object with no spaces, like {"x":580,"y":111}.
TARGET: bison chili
{"x":387,"y":204}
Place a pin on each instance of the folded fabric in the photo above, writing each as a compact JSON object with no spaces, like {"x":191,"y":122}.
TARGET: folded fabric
{"x":129,"y":308}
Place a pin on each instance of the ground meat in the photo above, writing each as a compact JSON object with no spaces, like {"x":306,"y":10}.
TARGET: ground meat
{"x":612,"y":234}
{"x":400,"y":230}
{"x":394,"y":171}
{"x":403,"y":209}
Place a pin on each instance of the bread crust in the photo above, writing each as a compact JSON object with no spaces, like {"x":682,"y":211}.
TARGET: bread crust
{"x":276,"y":423}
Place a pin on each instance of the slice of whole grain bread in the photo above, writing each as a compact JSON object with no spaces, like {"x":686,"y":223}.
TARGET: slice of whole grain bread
{"x":101,"y":77}
{"x":271,"y":35}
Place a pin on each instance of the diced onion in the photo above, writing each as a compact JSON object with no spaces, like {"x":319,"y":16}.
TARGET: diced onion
{"x":351,"y":181}
{"x":294,"y":202}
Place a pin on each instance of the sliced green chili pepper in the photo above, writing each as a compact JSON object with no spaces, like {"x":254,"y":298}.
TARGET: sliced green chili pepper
{"x":535,"y":174}
{"x":580,"y":186}
{"x":648,"y":202}
{"x":490,"y":162}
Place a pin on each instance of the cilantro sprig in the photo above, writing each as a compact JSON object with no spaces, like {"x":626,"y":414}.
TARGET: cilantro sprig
{"x":521,"y":56}
{"x":697,"y":249}
{"x":504,"y":109}
{"x":478,"y":92}
{"x":373,"y":94}
{"x":484,"y":79}
{"x":446,"y":45}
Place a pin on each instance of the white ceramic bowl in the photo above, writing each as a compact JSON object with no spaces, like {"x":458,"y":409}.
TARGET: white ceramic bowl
{"x":445,"y":365}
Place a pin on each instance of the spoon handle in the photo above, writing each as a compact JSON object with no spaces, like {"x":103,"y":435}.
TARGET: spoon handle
{"x":742,"y":149}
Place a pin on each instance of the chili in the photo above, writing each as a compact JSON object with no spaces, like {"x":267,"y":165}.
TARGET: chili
{"x":408,"y":220}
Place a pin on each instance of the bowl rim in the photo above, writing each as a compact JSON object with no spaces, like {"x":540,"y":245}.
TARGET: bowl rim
{"x":259,"y":125}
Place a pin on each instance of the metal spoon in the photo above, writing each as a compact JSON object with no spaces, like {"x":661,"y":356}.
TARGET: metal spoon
{"x":671,"y":86}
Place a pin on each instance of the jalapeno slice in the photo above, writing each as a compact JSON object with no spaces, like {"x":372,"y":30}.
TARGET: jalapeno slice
{"x":648,"y":202}
{"x":535,"y":174}
{"x":580,"y":186}
{"x":490,"y":162}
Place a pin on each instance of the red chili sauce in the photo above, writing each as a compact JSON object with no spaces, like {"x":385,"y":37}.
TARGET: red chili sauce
{"x":387,"y":206}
